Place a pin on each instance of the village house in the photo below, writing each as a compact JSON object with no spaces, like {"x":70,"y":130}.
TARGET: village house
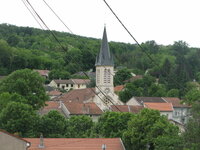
{"x":75,"y":144}
{"x":54,"y":94}
{"x":43,"y":73}
{"x":9,"y":141}
{"x":164,"y":108}
{"x":118,"y":88}
{"x":51,"y":105}
{"x":126,"y":108}
{"x":74,"y":109}
{"x":70,"y":84}
{"x":69,"y":109}
{"x":169,"y":106}
{"x":181,"y":112}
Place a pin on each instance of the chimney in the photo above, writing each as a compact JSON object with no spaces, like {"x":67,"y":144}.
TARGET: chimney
{"x":41,"y":145}
{"x":103,"y":146}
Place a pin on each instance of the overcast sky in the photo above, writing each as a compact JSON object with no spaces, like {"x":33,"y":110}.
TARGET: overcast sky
{"x":164,"y":21}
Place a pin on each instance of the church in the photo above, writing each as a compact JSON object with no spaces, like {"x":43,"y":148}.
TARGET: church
{"x":103,"y":94}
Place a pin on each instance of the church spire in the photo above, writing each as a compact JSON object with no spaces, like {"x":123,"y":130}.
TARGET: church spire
{"x":104,"y":58}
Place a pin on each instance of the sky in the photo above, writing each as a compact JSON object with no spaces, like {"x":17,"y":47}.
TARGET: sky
{"x":164,"y":21}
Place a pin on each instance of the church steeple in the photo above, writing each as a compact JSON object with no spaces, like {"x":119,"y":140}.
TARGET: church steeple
{"x":104,"y":77}
{"x":104,"y":58}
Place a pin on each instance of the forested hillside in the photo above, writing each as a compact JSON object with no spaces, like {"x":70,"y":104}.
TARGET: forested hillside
{"x":25,"y":47}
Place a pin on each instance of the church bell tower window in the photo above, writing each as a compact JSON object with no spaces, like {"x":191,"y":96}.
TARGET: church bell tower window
{"x":98,"y":76}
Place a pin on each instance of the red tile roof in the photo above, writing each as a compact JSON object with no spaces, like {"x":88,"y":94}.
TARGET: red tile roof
{"x":76,"y":143}
{"x":159,"y":106}
{"x":83,"y":109}
{"x":51,"y":105}
{"x":78,"y":95}
{"x":126,"y":108}
{"x":54,"y":93}
{"x":118,"y":88}
{"x":134,"y":78}
{"x":43,"y":72}
{"x":176,"y":102}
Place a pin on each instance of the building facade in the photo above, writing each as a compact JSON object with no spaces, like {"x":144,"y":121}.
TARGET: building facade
{"x":105,"y":96}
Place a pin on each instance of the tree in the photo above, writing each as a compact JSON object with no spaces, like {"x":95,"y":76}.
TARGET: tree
{"x":130,"y":91}
{"x":122,"y":75}
{"x":18,"y":118}
{"x":58,"y":74}
{"x":5,"y":56}
{"x":142,"y":87}
{"x":192,"y":132}
{"x":28,"y":84}
{"x":113,"y":124}
{"x":6,"y":98}
{"x":53,"y":125}
{"x":192,"y":96}
{"x":173,"y":93}
{"x":147,"y":128}
{"x":79,"y":127}
{"x":198,"y":77}
{"x":151,"y":46}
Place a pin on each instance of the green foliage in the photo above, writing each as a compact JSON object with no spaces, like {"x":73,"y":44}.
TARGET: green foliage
{"x":122,"y":75}
{"x":59,"y":74}
{"x":113,"y":124}
{"x":198,"y":77}
{"x":6,"y":98}
{"x":28,"y":84}
{"x":148,"y":129}
{"x":142,"y":87}
{"x":79,"y":127}
{"x":130,"y":91}
{"x":173,"y":93}
{"x":24,"y":47}
{"x":192,"y":96}
{"x":18,"y":118}
{"x":192,"y":133}
{"x":52,"y":125}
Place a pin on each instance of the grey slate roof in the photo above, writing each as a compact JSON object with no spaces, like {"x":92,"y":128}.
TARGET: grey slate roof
{"x":142,"y":100}
{"x":104,"y":58}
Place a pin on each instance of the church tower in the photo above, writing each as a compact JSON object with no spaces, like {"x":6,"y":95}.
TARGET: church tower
{"x":104,"y":76}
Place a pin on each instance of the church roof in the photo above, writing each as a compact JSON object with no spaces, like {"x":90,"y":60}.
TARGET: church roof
{"x":76,"y":108}
{"x":77,"y":95}
{"x":104,"y":58}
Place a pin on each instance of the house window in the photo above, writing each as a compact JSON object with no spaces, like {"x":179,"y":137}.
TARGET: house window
{"x":63,"y":87}
{"x":58,"y":85}
{"x":78,"y":85}
{"x":67,"y":85}
{"x":72,"y":85}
